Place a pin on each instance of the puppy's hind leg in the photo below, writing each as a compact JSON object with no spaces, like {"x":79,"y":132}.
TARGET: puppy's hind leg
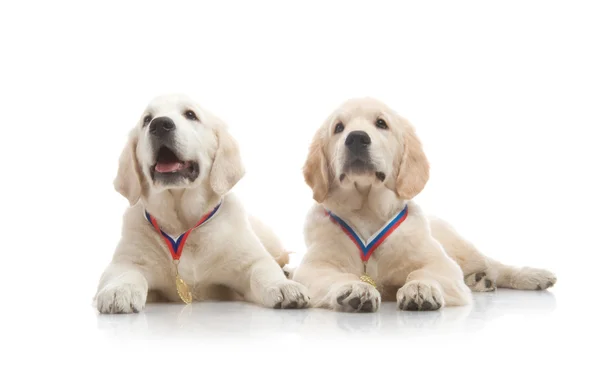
{"x":477,"y":271}
{"x":482,"y":273}
{"x":524,"y":278}
{"x":480,"y":281}
{"x":271,"y":242}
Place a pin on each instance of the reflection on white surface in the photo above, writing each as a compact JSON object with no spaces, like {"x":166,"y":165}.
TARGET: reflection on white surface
{"x":240,"y":320}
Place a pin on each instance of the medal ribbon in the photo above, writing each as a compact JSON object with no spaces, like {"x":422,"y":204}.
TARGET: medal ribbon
{"x":175,"y":245}
{"x":367,"y":248}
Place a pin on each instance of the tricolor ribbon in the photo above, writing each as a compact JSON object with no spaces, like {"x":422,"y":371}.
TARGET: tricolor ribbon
{"x":175,"y":245}
{"x":367,"y":248}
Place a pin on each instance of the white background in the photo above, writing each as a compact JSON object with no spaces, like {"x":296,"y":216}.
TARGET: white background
{"x":504,"y":95}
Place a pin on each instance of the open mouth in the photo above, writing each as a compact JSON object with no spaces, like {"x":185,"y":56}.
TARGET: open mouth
{"x":168,"y":166}
{"x":167,"y":162}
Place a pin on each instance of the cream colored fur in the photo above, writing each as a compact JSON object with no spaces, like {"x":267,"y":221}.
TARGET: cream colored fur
{"x":230,"y":257}
{"x":424,"y":264}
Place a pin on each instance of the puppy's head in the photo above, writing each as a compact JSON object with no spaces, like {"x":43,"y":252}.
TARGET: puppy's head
{"x":177,"y":145}
{"x":365,"y":143}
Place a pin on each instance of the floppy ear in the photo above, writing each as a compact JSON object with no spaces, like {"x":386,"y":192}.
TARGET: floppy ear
{"x":129,"y":175}
{"x":316,"y":174}
{"x":227,"y":168}
{"x":413,"y":173}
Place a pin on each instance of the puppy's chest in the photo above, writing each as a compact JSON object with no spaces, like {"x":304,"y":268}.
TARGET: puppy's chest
{"x":194,"y":262}
{"x":368,"y":240}
{"x":385,"y":245}
{"x":367,"y":229}
{"x":374,"y":235}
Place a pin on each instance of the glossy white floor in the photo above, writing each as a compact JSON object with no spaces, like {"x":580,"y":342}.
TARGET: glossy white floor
{"x":504,"y":331}
{"x":208,"y":320}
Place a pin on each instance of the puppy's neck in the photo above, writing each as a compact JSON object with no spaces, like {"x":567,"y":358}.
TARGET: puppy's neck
{"x":374,"y":204}
{"x":178,"y":210}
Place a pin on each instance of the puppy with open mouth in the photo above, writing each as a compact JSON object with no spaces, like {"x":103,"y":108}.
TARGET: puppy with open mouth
{"x":367,"y":240}
{"x":185,"y":236}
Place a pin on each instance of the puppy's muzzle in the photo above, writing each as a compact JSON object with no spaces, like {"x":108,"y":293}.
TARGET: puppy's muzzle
{"x":358,"y":158}
{"x":162,"y":127}
{"x":358,"y":143}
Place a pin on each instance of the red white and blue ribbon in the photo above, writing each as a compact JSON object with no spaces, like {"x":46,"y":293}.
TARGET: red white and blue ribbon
{"x":367,"y":248}
{"x":175,"y":244}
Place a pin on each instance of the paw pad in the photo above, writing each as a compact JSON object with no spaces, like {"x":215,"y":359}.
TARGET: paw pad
{"x":480,"y":282}
{"x":359,"y":297}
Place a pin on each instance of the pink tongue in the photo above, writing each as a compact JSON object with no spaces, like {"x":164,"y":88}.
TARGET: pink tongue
{"x":169,"y":167}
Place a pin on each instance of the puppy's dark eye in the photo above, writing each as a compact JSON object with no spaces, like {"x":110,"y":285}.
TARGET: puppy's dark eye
{"x":380,"y":123}
{"x":339,"y":128}
{"x":147,"y":120}
{"x":190,"y":115}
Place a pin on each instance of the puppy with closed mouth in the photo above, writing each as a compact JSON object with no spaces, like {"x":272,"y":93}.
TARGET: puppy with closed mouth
{"x":366,"y":238}
{"x":184,"y":226}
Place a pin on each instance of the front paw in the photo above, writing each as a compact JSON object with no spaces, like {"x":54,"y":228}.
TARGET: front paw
{"x":357,"y":297}
{"x":287,"y":295}
{"x":121,"y":298}
{"x":419,"y":296}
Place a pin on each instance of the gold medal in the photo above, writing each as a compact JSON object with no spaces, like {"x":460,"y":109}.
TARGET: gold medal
{"x":366,"y":278}
{"x":182,"y":287}
{"x":175,"y":247}
{"x":183,"y":291}
{"x":369,"y":280}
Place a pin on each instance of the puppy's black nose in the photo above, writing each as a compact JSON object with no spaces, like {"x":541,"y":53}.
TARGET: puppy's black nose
{"x":358,"y":141}
{"x":161,"y":126}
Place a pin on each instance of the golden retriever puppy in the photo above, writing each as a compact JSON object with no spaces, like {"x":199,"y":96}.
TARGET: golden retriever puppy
{"x":367,"y":240}
{"x":185,"y":236}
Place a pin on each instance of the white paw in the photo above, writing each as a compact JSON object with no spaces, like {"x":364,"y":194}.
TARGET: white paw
{"x":357,"y":297}
{"x":121,"y":298}
{"x":533,"y":279}
{"x":480,"y":282}
{"x":419,"y":296}
{"x":287,"y":295}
